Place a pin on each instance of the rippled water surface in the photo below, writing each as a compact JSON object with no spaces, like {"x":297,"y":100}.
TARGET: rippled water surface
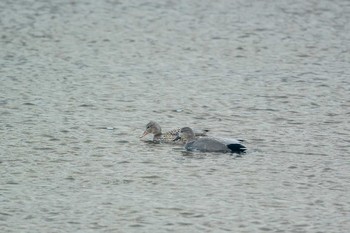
{"x":79,"y":80}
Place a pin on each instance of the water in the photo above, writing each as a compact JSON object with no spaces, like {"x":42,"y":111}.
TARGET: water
{"x":80,"y":80}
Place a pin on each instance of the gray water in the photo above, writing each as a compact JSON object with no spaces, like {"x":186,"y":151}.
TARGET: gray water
{"x":79,"y":80}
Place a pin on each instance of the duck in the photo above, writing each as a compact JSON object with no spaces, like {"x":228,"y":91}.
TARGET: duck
{"x":154,"y":128}
{"x":208,"y":144}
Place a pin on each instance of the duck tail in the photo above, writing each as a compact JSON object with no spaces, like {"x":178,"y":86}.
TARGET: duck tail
{"x":237,"y":148}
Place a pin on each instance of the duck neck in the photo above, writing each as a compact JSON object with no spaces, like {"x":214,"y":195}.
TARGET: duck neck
{"x":190,"y":138}
{"x":157,"y":136}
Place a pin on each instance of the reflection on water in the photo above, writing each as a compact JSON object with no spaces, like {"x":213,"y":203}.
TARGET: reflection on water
{"x":79,"y":81}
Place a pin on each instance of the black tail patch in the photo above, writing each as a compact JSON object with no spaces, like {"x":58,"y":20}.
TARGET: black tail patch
{"x":237,"y":148}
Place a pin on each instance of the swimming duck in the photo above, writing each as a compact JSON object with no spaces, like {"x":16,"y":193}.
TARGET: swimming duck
{"x":154,"y":128}
{"x":207,"y":144}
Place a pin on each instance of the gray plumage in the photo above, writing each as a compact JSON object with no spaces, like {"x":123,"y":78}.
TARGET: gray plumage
{"x":207,"y":144}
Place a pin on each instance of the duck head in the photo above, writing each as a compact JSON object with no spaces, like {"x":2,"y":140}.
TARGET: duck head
{"x":152,"y":128}
{"x":185,"y":134}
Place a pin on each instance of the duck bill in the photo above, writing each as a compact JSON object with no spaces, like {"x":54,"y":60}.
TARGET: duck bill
{"x":177,"y":138}
{"x":144,"y":134}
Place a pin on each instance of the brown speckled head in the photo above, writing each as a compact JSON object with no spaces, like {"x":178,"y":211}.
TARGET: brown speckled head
{"x":152,"y":128}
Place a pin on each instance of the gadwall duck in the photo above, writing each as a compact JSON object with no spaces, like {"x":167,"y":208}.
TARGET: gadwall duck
{"x":207,"y":144}
{"x":154,"y":128}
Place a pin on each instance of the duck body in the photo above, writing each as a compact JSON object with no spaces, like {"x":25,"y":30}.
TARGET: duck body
{"x":208,"y":144}
{"x":168,"y":137}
